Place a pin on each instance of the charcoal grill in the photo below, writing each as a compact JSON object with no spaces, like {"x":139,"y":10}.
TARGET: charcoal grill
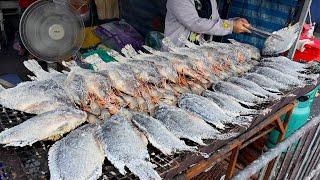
{"x":31,"y":162}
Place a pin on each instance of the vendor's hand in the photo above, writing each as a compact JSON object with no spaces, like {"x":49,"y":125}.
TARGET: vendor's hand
{"x":241,"y":26}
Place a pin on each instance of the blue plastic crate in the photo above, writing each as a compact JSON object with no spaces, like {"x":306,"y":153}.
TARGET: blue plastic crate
{"x":11,"y":78}
{"x":267,"y":15}
{"x":315,"y":11}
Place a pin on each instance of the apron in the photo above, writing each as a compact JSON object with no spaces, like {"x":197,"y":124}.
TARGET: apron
{"x":204,"y":9}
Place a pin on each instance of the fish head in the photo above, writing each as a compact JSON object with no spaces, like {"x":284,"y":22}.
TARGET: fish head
{"x":76,"y":88}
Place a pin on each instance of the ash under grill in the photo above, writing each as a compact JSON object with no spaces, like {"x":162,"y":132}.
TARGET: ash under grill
{"x":31,"y":162}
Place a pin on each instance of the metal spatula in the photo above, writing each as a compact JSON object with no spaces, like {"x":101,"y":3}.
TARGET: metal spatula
{"x":264,"y":33}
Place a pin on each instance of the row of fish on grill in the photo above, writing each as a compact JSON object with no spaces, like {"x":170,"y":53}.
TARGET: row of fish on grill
{"x":115,"y":110}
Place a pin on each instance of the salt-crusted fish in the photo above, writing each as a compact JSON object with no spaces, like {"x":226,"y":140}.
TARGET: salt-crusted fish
{"x":145,"y":71}
{"x":124,"y":147}
{"x":205,"y":109}
{"x":95,"y":83}
{"x":165,"y":69}
{"x":77,"y":156}
{"x":35,"y":97}
{"x":185,"y":65}
{"x":77,"y":84}
{"x":284,"y":61}
{"x":295,"y":72}
{"x":185,"y":125}
{"x":237,"y":92}
{"x":158,"y":135}
{"x":82,"y":85}
{"x":253,"y":88}
{"x":208,"y":56}
{"x":49,"y":125}
{"x":196,"y":57}
{"x":2,"y":88}
{"x":279,"y":76}
{"x":122,"y":78}
{"x":281,"y":67}
{"x":239,"y":56}
{"x":227,"y":103}
{"x":41,"y":74}
{"x":288,"y":36}
{"x":266,"y":83}
{"x":254,"y":51}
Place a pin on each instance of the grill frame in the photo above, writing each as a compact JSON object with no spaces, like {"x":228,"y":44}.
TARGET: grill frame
{"x":31,"y":162}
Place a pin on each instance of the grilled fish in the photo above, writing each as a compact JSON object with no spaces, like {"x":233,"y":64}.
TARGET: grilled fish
{"x":284,"y":61}
{"x":95,"y":83}
{"x":253,"y":51}
{"x":227,"y":103}
{"x":279,"y":76}
{"x":35,"y":97}
{"x":205,"y":109}
{"x":166,"y":70}
{"x":237,"y":92}
{"x":266,"y":83}
{"x":296,"y":72}
{"x":281,"y":67}
{"x":77,"y":156}
{"x":253,"y":88}
{"x":288,"y":36}
{"x":183,"y":64}
{"x":41,"y":74}
{"x":49,"y":125}
{"x":124,"y":147}
{"x":2,"y":88}
{"x":158,"y":135}
{"x":240,"y":57}
{"x":145,"y":71}
{"x":77,"y":83}
{"x":185,"y":125}
{"x":122,"y":78}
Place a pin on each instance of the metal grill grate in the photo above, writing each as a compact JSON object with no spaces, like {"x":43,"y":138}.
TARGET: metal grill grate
{"x":31,"y":162}
{"x":27,"y":162}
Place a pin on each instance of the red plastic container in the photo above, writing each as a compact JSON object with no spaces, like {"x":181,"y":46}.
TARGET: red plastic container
{"x":312,"y":51}
{"x":25,"y":3}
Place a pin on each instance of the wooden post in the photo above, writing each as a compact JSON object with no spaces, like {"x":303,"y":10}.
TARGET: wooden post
{"x":233,"y":162}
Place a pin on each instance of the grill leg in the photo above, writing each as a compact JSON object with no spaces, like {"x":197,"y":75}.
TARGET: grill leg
{"x":233,"y":162}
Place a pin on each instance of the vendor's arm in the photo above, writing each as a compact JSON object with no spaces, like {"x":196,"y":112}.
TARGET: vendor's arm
{"x":186,"y":14}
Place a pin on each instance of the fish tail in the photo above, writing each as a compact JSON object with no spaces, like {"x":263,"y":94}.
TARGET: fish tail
{"x":52,"y":161}
{"x":244,"y":121}
{"x":2,"y":88}
{"x":34,"y":67}
{"x":226,"y":136}
{"x":144,"y":170}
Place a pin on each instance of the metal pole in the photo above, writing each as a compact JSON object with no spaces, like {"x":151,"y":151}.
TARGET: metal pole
{"x":313,"y":173}
{"x":306,"y":157}
{"x":263,"y":160}
{"x":312,"y":157}
{"x":302,"y":20}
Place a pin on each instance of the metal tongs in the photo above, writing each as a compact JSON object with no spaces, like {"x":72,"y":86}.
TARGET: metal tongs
{"x":264,"y":33}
